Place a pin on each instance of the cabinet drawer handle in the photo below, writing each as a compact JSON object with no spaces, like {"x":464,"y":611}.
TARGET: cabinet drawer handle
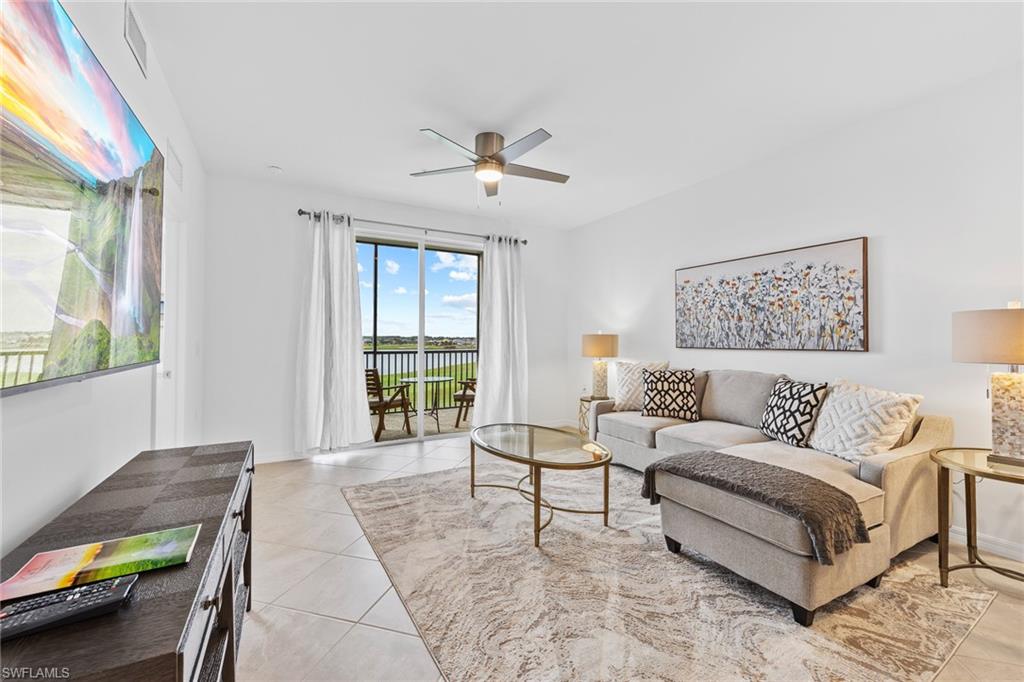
{"x":235,"y":514}
{"x":211,"y":601}
{"x":252,"y":469}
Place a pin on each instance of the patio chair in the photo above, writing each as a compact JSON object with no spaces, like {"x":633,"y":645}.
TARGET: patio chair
{"x":464,"y":400}
{"x":379,"y":404}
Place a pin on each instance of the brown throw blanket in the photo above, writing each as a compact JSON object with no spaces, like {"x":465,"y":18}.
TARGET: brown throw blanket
{"x":830,"y":515}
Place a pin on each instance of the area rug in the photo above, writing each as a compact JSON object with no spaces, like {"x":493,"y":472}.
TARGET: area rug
{"x":595,"y":603}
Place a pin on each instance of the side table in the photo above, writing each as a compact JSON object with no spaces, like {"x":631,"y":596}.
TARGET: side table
{"x":972,"y":463}
{"x":583,"y":413}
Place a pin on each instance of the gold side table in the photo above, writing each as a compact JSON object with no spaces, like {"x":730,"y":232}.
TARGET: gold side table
{"x":973,"y":463}
{"x":583,"y":413}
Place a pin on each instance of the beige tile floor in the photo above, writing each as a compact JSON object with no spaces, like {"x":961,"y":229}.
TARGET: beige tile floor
{"x":324,"y":608}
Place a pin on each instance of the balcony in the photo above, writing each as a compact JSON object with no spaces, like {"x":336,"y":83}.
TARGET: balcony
{"x":20,"y":366}
{"x":454,"y":366}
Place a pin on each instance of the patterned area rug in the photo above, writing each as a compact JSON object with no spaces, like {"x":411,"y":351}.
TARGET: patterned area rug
{"x":597,"y":603}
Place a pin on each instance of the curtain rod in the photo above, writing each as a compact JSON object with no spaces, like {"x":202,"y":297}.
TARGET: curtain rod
{"x":316,"y":216}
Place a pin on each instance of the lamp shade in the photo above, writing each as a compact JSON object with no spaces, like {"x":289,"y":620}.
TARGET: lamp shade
{"x":600,"y":345}
{"x":994,"y":337}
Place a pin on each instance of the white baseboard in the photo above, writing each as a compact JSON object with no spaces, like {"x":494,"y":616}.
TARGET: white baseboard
{"x":268,"y":457}
{"x":990,"y":543}
{"x":559,"y":423}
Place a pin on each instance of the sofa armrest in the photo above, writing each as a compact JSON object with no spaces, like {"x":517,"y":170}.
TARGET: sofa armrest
{"x":910,"y":480}
{"x":597,"y":408}
{"x":933,"y":433}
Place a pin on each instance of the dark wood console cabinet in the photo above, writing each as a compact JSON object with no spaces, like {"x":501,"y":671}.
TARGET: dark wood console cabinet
{"x":183,"y":623}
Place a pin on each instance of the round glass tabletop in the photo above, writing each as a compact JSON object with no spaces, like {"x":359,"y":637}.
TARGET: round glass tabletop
{"x":426,"y":380}
{"x":975,"y":461}
{"x":540,"y":445}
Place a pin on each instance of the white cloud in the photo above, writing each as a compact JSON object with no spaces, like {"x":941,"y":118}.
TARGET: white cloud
{"x":426,"y":292}
{"x":462,"y":267}
{"x":391,"y":267}
{"x":460,"y":301}
{"x":364,"y":284}
{"x":401,"y":290}
{"x":444,"y":260}
{"x":359,"y":267}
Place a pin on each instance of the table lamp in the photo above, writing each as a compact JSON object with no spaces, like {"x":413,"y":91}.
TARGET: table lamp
{"x":996,"y":337}
{"x":600,"y":346}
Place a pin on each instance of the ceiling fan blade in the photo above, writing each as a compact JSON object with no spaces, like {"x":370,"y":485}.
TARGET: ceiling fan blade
{"x":455,"y":146}
{"x":535,"y":173}
{"x":443,"y":171}
{"x":511,"y":152}
{"x":491,"y":188}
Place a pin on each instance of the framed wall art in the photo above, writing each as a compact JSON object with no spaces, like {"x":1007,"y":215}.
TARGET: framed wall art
{"x":810,"y":298}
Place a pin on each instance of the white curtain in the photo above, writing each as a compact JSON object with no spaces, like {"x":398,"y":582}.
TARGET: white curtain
{"x":331,"y":409}
{"x":501,"y":369}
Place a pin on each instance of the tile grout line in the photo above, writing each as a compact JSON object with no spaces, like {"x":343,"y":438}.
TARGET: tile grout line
{"x":313,"y":509}
{"x":365,"y":613}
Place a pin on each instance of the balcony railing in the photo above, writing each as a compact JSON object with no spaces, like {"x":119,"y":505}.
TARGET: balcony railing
{"x":395,"y":365}
{"x":20,"y":366}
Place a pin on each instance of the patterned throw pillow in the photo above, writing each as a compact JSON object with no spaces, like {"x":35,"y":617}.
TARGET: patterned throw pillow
{"x":859,"y":421}
{"x":670,"y":393}
{"x":791,"y":410}
{"x":629,"y":385}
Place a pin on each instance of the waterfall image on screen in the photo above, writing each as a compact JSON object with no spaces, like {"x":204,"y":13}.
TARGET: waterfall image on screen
{"x":81,"y":210}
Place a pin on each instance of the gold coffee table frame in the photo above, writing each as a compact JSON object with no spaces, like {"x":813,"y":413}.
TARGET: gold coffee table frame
{"x":973,"y":464}
{"x":602,"y":457}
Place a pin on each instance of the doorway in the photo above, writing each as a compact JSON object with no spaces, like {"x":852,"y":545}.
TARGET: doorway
{"x":420,"y":323}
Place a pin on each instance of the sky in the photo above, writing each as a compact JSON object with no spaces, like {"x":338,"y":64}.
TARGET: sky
{"x":53,"y":89}
{"x":451,"y":283}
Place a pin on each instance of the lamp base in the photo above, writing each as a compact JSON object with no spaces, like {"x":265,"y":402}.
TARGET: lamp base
{"x":600,"y":381}
{"x":1007,"y":417}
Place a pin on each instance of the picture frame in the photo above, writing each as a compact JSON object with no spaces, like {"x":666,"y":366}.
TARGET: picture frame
{"x":806,"y":298}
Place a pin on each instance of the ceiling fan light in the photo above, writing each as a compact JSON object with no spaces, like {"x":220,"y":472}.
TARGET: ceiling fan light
{"x":488,"y":171}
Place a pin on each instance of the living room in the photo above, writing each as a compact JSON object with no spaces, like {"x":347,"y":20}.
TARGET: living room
{"x":664,"y":145}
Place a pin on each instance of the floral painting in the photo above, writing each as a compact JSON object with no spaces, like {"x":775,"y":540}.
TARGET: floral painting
{"x":813,"y":298}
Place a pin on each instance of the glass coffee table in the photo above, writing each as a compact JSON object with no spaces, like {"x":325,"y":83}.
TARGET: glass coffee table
{"x":538,"y":447}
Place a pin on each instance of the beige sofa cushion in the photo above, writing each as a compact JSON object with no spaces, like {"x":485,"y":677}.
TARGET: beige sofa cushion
{"x":633,"y":427}
{"x":761,"y":520}
{"x":712,"y":434}
{"x":737,"y":396}
{"x":859,"y":421}
{"x":629,"y":384}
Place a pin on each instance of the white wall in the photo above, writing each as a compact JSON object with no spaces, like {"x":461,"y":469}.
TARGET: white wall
{"x":935,"y":186}
{"x":57,"y":443}
{"x":257,"y":259}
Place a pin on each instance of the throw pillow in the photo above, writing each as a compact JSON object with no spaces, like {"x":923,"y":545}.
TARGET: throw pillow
{"x":670,"y":393}
{"x":629,"y":384}
{"x":859,"y":421}
{"x":791,"y":410}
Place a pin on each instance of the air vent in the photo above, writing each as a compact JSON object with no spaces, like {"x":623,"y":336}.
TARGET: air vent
{"x":174,"y":167}
{"x":133,"y":34}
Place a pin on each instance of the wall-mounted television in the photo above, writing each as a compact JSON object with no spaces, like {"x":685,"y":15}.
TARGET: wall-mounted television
{"x":81,"y":211}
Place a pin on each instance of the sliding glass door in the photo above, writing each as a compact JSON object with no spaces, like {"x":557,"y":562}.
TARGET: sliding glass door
{"x":420,"y":325}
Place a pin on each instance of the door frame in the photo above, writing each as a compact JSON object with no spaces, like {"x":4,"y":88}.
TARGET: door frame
{"x":382,"y":236}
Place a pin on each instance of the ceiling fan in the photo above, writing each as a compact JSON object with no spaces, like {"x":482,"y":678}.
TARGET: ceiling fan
{"x":492,"y":159}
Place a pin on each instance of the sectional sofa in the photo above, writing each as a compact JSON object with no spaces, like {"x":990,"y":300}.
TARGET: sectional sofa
{"x":895,"y":490}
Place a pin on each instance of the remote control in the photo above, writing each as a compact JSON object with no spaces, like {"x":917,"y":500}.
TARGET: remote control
{"x":66,"y":606}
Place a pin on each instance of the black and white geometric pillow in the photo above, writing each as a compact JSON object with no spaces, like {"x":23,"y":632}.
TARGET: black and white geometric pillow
{"x":791,"y":410}
{"x":670,"y":393}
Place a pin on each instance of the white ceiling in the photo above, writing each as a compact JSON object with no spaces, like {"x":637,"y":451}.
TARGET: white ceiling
{"x":641,"y":99}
